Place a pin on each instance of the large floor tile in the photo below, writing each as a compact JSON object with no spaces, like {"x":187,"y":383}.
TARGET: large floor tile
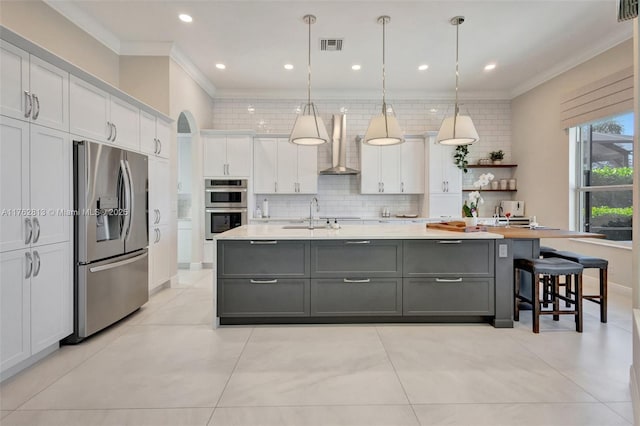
{"x":313,"y":366}
{"x":192,"y":306}
{"x":189,"y":277}
{"x":447,"y":364}
{"x":151,"y":367}
{"x":625,"y":409}
{"x":4,"y":413}
{"x":370,"y":415}
{"x":157,"y":417}
{"x":590,"y":414}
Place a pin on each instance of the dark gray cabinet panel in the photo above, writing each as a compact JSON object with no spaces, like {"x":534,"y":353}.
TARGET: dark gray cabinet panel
{"x":263,"y":297}
{"x":438,"y":258}
{"x":448,"y":296}
{"x":356,"y":258}
{"x":348,"y":297}
{"x":262,"y":258}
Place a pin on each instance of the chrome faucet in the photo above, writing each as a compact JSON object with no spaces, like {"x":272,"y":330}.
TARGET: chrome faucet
{"x":314,"y":199}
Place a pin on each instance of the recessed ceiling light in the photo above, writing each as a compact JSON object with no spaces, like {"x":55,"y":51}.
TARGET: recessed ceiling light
{"x":288,"y":66}
{"x":185,"y":18}
{"x":221,"y":66}
{"x":490,"y":67}
{"x":356,"y":67}
{"x":423,"y":67}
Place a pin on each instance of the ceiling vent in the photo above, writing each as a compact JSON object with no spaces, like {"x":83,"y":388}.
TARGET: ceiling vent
{"x":628,"y":9}
{"x":331,"y":44}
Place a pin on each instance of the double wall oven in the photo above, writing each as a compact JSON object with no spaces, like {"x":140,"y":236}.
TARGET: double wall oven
{"x":225,"y":203}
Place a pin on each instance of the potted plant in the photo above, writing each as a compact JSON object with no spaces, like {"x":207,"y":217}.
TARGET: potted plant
{"x":496,"y":156}
{"x":471,"y":206}
{"x":460,"y":157}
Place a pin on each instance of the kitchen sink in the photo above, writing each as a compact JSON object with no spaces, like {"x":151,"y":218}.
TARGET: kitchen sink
{"x":302,"y":227}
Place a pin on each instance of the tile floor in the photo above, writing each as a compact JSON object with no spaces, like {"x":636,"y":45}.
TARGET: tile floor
{"x":165,"y":365}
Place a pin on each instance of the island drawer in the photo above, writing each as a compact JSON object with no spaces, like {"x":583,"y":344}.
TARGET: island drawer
{"x":356,"y":297}
{"x":263,"y":297}
{"x":448,"y":296}
{"x":263,"y":258}
{"x":356,"y":258}
{"x":438,"y":258}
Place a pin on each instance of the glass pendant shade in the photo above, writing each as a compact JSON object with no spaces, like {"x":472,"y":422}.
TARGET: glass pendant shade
{"x":383,"y":130}
{"x":309,"y":130}
{"x":464,"y":134}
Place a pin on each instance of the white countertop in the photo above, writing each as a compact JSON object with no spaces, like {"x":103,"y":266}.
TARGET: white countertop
{"x":347,"y":232}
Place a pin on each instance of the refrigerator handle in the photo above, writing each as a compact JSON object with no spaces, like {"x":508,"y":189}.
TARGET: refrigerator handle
{"x":117,"y":264}
{"x":132,"y":198}
{"x":127,"y":200}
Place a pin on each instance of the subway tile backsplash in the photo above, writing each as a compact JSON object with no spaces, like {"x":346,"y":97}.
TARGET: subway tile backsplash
{"x":340,"y":195}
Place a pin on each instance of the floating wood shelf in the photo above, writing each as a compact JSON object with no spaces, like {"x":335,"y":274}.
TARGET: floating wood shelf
{"x":489,"y":190}
{"x":490,"y":166}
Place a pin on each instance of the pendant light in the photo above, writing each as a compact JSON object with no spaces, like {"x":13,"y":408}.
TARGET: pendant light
{"x":309,"y":129}
{"x":384,"y":128}
{"x":458,"y":129}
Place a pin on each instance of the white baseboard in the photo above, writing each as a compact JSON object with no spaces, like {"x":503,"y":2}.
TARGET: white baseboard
{"x":162,"y":286}
{"x":613,"y":287}
{"x":195,"y":266}
{"x":9,"y":372}
{"x":633,"y":382}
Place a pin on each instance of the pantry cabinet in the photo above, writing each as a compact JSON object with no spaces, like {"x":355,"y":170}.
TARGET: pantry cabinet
{"x":33,"y":90}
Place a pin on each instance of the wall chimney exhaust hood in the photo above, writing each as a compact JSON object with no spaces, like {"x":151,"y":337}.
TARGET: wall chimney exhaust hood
{"x":339,"y":148}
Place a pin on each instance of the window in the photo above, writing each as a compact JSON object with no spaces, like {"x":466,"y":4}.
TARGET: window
{"x":605,"y":177}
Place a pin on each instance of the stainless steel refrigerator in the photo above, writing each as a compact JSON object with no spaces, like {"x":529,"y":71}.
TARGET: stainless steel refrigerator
{"x":111,"y":236}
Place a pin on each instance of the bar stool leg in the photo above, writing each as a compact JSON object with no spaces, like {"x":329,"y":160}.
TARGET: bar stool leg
{"x":578,"y":307}
{"x":546,"y":283}
{"x":536,"y":303}
{"x":516,"y":292}
{"x":568,"y":286}
{"x":555,"y":279}
{"x":603,"y":295}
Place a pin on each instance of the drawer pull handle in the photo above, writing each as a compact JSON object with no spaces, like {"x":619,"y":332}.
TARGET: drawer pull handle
{"x":366,"y":280}
{"x":264,"y":281}
{"x":448,"y":280}
{"x":358,"y":242}
{"x":450,"y":242}
{"x":265,"y":242}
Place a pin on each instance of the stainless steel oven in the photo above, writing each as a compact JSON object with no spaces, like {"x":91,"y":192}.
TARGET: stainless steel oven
{"x":225,"y":193}
{"x":221,"y":220}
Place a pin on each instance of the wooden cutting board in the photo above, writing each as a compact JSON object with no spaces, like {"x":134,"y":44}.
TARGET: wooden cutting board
{"x":456,"y":226}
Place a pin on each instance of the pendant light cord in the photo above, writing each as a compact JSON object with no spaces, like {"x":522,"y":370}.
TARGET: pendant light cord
{"x":309,"y":64}
{"x":456,"y":109}
{"x":384,"y":86}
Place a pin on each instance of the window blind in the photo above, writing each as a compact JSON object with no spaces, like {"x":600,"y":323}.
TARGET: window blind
{"x":603,"y":98}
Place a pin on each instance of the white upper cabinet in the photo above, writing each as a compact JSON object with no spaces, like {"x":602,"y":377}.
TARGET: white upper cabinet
{"x":444,"y":176}
{"x":155,"y":135}
{"x":97,"y":115}
{"x":227,"y":156}
{"x":380,"y":169}
{"x":281,"y":167}
{"x":32,"y":89}
{"x":412,"y":166}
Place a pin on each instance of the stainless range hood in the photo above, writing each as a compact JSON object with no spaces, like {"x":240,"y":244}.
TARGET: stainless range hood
{"x":339,"y":148}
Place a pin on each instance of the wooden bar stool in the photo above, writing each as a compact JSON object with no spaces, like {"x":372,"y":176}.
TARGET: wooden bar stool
{"x":587,"y":262}
{"x":552,"y":267}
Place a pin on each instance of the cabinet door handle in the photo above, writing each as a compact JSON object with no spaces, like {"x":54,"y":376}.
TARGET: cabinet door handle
{"x":382,"y":186}
{"x":159,"y":146}
{"x":28,"y":228}
{"x":36,"y":258}
{"x":159,"y":215}
{"x":450,"y":242}
{"x":358,"y":242}
{"x":448,"y":280}
{"x":115,"y":132}
{"x":36,"y":110}
{"x":276,"y":185}
{"x":110,"y":130}
{"x":447,"y":186}
{"x":443,"y":190}
{"x":401,"y":186}
{"x":28,"y":104}
{"x":29,"y":259}
{"x":264,"y":242}
{"x":264,"y":281}
{"x":366,"y":280}
{"x":36,"y":228}
{"x":159,"y":234}
{"x":155,"y":145}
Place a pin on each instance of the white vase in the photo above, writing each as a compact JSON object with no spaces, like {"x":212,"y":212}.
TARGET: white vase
{"x":471,"y":221}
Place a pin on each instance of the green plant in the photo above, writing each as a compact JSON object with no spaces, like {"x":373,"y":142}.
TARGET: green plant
{"x":460,"y":157}
{"x":608,"y":175}
{"x":496,"y":155}
{"x":613,"y":211}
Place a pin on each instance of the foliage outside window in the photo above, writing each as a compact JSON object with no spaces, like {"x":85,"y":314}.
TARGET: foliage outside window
{"x":605,"y":177}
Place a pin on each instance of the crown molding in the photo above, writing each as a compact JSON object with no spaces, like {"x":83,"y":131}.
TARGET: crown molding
{"x":332,"y":94}
{"x":146,"y":48}
{"x":194,"y":72}
{"x":605,"y":44}
{"x":86,"y":23}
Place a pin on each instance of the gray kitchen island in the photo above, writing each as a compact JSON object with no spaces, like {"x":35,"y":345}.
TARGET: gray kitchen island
{"x":267,"y":274}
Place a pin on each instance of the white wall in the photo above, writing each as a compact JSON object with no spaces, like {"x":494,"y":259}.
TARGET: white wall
{"x":341,"y":194}
{"x":541,"y":148}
